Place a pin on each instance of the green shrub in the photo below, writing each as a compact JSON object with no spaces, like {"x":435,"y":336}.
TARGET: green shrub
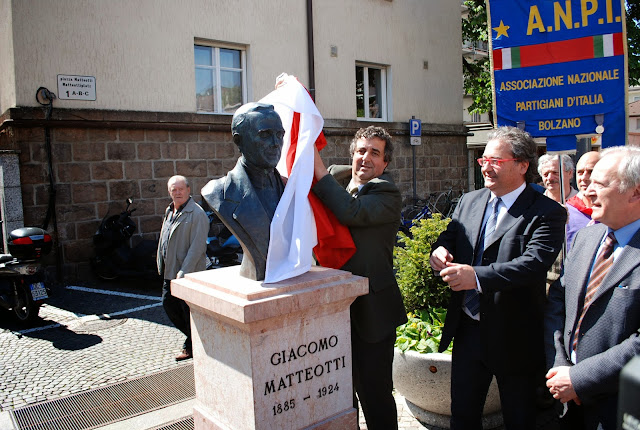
{"x":425,"y":295}
{"x":420,"y":287}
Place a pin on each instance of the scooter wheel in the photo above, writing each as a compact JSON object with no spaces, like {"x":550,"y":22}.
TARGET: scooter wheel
{"x":25,"y":309}
{"x":104,"y":270}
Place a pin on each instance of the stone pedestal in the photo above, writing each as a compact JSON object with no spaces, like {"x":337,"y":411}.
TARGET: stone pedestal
{"x":272,"y":356}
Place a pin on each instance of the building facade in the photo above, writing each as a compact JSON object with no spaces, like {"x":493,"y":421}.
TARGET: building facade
{"x":146,"y":90}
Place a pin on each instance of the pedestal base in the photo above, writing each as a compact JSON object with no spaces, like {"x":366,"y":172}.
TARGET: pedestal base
{"x":272,"y":356}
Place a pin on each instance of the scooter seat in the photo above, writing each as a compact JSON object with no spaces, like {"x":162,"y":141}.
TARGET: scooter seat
{"x":5,"y":257}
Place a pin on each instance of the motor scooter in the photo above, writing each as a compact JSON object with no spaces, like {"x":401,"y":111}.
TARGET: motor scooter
{"x":114,"y":257}
{"x":22,"y":278}
{"x":223,"y":249}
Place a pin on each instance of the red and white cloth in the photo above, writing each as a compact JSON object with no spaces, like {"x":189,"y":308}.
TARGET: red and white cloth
{"x":297,"y":228}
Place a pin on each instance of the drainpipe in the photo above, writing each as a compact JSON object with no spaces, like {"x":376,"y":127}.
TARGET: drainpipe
{"x":312,"y":77}
{"x":46,"y":98}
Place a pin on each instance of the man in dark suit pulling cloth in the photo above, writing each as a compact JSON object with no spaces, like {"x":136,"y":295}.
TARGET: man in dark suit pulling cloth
{"x":494,"y":255}
{"x":370,"y":206}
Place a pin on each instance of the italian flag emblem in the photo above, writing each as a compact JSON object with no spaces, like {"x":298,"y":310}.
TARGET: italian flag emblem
{"x":584,"y":48}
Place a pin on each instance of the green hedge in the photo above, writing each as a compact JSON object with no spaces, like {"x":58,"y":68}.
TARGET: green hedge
{"x":425,"y":295}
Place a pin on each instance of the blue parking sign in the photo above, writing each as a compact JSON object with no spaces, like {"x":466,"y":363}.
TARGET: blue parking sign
{"x":415,"y":127}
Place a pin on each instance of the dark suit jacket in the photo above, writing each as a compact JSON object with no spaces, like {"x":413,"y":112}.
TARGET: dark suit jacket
{"x":512,"y":275}
{"x":610,"y":330}
{"x":373,"y":219}
{"x":236,"y":203}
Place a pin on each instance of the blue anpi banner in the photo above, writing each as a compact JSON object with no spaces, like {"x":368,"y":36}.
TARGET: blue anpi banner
{"x":560,"y":68}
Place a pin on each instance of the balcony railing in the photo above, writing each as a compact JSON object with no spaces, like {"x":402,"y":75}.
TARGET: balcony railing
{"x":476,"y":46}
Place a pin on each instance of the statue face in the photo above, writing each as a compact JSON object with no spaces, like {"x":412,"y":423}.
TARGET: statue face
{"x":261,"y":142}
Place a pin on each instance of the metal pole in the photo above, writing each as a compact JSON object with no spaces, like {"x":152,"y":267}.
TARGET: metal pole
{"x":415,"y":182}
{"x":562,"y":201}
{"x":415,"y":191}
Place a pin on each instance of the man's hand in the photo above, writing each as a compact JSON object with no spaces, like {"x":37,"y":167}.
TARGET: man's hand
{"x":459,"y":276}
{"x":439,"y":259}
{"x":560,"y":386}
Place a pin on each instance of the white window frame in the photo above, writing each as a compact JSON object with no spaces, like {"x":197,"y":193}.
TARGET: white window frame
{"x":383,"y":92}
{"x":217,"y":68}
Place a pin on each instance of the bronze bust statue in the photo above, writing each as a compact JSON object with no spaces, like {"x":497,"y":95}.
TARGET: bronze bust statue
{"x":246,"y":198}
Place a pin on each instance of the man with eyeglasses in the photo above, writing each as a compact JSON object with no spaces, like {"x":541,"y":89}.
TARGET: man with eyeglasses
{"x":494,"y":255}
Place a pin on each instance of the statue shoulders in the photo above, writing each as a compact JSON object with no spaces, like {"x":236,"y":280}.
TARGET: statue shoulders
{"x":218,"y":190}
{"x":213,"y":192}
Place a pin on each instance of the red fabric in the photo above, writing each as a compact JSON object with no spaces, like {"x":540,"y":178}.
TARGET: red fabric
{"x":618,"y":44}
{"x":558,"y":52}
{"x":335,"y":246}
{"x":497,"y":59}
{"x":291,"y":153}
{"x":577,"y":203}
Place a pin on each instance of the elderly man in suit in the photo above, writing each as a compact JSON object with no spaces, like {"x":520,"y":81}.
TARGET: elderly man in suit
{"x":182,"y":250}
{"x":365,"y":199}
{"x":592,"y":325}
{"x":494,"y":255}
{"x":246,"y":198}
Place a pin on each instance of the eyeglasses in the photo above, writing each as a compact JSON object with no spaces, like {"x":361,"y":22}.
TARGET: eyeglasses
{"x":494,"y":162}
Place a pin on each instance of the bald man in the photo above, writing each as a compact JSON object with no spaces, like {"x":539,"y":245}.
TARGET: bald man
{"x":583,"y":179}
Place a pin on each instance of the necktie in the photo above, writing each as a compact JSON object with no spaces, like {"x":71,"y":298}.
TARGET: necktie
{"x":472,"y":297}
{"x":491,"y":222}
{"x":601,"y":267}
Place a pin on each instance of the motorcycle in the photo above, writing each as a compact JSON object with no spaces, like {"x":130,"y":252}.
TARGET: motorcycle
{"x":22,"y":279}
{"x":223,"y":249}
{"x":114,"y":257}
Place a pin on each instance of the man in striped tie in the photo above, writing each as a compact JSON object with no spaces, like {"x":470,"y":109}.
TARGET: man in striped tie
{"x":494,"y":255}
{"x":592,"y":324}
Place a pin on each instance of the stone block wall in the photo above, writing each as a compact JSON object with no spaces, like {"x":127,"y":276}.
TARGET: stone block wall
{"x":101,"y":158}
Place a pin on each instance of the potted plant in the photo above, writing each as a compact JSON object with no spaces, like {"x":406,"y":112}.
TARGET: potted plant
{"x":420,"y":373}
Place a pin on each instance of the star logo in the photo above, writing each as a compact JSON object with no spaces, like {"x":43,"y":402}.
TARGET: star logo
{"x":501,"y":30}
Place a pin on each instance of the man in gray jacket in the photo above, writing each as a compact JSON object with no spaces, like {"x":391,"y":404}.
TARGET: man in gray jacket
{"x":182,"y":249}
{"x":592,"y":321}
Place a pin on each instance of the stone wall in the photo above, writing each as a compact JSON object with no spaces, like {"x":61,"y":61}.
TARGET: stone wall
{"x":100,"y":158}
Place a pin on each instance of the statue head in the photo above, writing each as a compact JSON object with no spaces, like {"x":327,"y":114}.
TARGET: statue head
{"x":258,"y":132}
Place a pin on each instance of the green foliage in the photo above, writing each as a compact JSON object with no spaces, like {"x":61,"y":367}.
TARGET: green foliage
{"x":422,"y":291}
{"x":420,"y":287}
{"x":422,"y":332}
{"x":477,"y":84}
{"x":477,"y":74}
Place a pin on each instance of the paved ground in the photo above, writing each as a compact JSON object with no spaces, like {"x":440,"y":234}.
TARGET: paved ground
{"x":87,"y":338}
{"x":93,"y":336}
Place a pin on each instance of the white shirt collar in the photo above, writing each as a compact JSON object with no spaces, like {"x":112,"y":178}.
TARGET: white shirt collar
{"x":510,"y":198}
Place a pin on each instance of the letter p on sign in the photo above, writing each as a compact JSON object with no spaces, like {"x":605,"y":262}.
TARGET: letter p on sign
{"x":415,"y":127}
{"x":415,"y":131}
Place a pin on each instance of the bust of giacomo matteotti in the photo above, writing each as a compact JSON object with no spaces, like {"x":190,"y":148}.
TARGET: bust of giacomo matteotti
{"x":246,"y":198}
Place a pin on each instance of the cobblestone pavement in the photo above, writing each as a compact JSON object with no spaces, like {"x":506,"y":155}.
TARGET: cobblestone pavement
{"x":87,"y":338}
{"x":90,"y":337}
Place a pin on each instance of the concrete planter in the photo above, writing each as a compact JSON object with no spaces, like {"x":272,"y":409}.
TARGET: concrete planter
{"x":425,"y":382}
